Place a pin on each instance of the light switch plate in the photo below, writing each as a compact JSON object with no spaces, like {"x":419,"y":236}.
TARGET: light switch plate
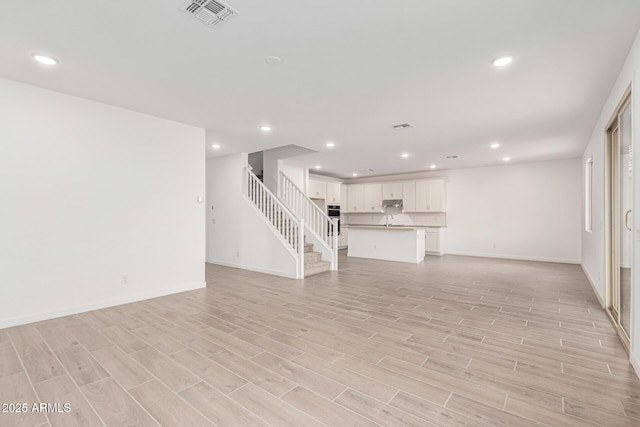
{"x":200,"y":199}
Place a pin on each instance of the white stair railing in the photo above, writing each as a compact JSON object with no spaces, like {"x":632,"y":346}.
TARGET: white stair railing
{"x":324,"y":228}
{"x":286,"y":225}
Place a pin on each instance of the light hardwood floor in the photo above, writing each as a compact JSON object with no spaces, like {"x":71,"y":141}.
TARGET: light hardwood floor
{"x":455,"y":341}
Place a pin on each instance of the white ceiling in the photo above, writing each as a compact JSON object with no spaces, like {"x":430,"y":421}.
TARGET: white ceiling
{"x":350,"y":70}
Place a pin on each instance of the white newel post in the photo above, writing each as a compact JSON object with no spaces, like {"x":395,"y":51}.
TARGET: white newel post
{"x":301,"y":249}
{"x":334,"y":245}
{"x":279,"y":187}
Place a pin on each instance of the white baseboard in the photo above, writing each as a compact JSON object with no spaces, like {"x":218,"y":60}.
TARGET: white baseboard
{"x":514,"y":257}
{"x":289,"y":275}
{"x":635,"y":363}
{"x":593,"y":286}
{"x":67,"y":311}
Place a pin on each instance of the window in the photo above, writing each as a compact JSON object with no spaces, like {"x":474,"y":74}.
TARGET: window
{"x":588,"y":195}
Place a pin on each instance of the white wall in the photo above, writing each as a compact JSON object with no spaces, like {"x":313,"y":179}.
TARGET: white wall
{"x":520,"y":211}
{"x":272,"y":161}
{"x":237,"y":234}
{"x":90,"y":192}
{"x":256,"y":162}
{"x":593,"y":244}
{"x":325,"y":178}
{"x":526,"y":211}
{"x":299,"y":176}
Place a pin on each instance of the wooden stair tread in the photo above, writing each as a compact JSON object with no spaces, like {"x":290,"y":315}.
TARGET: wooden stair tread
{"x":316,"y":267}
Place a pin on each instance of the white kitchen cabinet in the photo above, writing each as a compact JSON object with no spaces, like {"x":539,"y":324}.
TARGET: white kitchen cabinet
{"x":391,"y":190}
{"x":373,"y":197}
{"x":408,"y":196}
{"x":317,"y":189}
{"x":437,"y":190}
{"x":355,"y":198}
{"x":333,"y":193}
{"x":433,"y":241}
{"x":343,"y":240}
{"x":427,"y":195}
{"x":423,"y":203}
{"x":431,"y":195}
{"x":344,"y":202}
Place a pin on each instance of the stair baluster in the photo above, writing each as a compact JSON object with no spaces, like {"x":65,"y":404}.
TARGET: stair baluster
{"x":285,"y":223}
{"x":324,"y":228}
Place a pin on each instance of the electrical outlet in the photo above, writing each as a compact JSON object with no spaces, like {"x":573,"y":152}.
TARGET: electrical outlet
{"x":493,"y":246}
{"x":124,"y":279}
{"x":213,"y":221}
{"x":238,"y":253}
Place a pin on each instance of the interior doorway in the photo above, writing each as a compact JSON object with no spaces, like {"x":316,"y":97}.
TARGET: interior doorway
{"x":619,"y":218}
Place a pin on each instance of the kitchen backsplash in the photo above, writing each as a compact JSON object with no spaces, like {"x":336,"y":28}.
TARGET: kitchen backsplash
{"x":399,"y":218}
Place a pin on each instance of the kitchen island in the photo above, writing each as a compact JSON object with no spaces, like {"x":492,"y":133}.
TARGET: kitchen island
{"x":394,"y":243}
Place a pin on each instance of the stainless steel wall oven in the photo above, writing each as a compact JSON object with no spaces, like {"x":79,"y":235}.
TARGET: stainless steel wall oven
{"x":333,"y":211}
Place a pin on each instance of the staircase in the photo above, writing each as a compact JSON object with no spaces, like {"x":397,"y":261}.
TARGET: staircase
{"x":292,"y":229}
{"x":285,"y":225}
{"x":319,"y":229}
{"x":313,"y":263}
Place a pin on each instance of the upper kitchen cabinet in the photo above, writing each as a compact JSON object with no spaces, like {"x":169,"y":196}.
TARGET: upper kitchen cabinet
{"x":391,"y":190}
{"x":431,"y":195}
{"x":408,"y":196}
{"x":373,"y":197}
{"x":344,"y":205}
{"x":438,"y":189}
{"x":333,"y":193}
{"x":317,"y":189}
{"x":355,"y":198}
{"x":427,"y":195}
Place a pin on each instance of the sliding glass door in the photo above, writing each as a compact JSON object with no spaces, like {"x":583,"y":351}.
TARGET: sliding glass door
{"x":621,"y":217}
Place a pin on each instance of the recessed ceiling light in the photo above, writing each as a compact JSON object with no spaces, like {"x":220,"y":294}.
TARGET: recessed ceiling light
{"x":265,"y":128}
{"x":44,"y":59}
{"x":215,"y":146}
{"x":273,"y":60}
{"x":432,"y":166}
{"x":405,"y":155}
{"x":494,"y":145}
{"x":502,"y":61}
{"x":330,"y":144}
{"x":506,"y":159}
{"x":354,"y":174}
{"x":318,"y":166}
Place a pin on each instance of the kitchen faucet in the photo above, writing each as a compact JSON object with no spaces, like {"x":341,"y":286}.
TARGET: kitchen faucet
{"x":386,"y":220}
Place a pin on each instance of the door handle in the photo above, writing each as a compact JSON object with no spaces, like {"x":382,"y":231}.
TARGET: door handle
{"x":626,"y":219}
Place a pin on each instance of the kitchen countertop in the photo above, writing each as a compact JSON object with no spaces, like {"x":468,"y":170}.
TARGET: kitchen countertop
{"x":391,"y":227}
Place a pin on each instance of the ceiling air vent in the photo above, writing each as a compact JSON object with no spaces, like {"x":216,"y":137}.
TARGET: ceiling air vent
{"x":210,"y":12}
{"x":402,"y":126}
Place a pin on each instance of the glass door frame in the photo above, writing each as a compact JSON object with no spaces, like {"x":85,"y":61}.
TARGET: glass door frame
{"x":612,"y":218}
